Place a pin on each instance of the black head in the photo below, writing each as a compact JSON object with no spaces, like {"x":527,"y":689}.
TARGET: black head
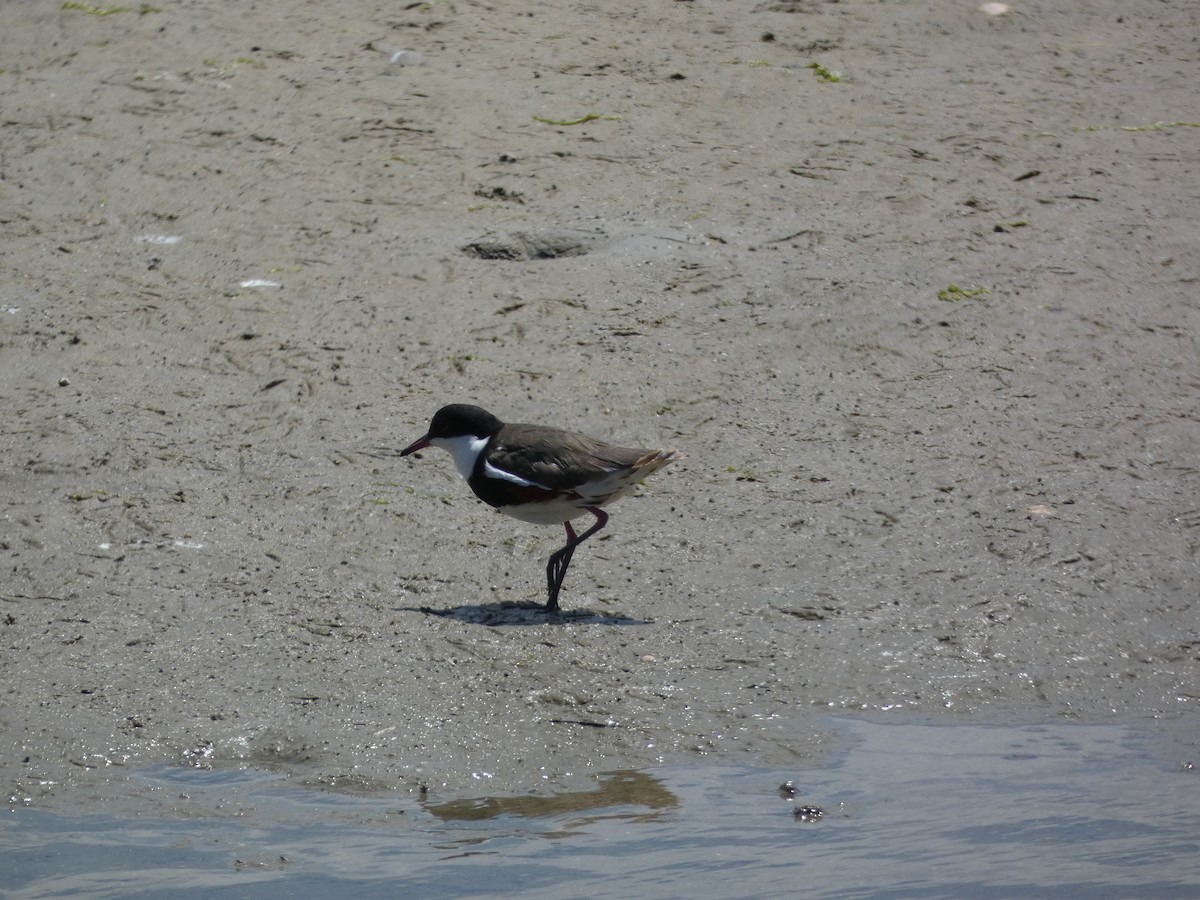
{"x":456,"y":420}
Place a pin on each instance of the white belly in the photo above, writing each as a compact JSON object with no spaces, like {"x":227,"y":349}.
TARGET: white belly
{"x":552,"y":512}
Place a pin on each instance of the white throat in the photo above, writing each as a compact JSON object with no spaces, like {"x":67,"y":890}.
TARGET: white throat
{"x":465,"y":448}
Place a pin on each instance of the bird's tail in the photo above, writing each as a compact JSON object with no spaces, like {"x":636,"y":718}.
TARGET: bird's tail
{"x":655,"y":460}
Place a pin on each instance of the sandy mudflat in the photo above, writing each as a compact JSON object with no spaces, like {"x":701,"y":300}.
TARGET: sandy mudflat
{"x":245,"y":253}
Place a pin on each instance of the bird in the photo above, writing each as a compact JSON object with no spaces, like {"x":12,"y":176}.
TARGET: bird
{"x":539,"y":474}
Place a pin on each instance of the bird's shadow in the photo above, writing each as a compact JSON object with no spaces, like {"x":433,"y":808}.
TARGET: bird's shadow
{"x":512,"y":613}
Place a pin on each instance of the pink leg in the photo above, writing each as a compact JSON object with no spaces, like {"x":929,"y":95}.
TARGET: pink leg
{"x":556,"y":568}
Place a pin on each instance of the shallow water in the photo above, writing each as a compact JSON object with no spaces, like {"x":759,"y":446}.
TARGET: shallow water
{"x":910,"y":810}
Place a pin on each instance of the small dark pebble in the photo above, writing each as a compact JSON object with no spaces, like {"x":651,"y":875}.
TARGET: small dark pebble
{"x":787,"y":790}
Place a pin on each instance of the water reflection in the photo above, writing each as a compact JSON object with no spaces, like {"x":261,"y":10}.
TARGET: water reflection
{"x":616,"y":789}
{"x":1042,"y":811}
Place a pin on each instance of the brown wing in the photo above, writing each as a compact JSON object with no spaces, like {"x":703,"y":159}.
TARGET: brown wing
{"x":559,"y":459}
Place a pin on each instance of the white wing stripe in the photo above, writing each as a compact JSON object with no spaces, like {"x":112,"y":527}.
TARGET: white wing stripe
{"x":500,"y":475}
